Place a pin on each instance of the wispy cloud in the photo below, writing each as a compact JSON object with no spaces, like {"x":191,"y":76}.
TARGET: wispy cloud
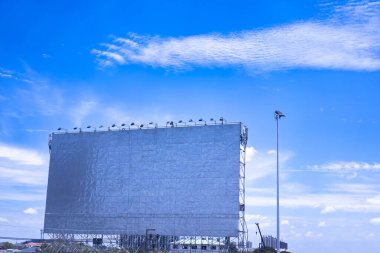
{"x":347,"y":166}
{"x":345,"y":41}
{"x":375,"y":200}
{"x":10,"y":74}
{"x":264,"y":221}
{"x":354,"y":188}
{"x":375,"y":220}
{"x":312,"y":234}
{"x":21,"y":155}
{"x":41,"y":98}
{"x":25,"y":196}
{"x":322,"y":224}
{"x":2,"y":219}
{"x":26,"y":176}
{"x":31,"y":211}
{"x":325,"y":202}
{"x":285,"y":222}
{"x":83,"y":110}
{"x":263,"y":163}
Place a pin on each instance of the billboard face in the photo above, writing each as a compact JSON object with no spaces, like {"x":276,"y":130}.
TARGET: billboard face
{"x":178,"y":181}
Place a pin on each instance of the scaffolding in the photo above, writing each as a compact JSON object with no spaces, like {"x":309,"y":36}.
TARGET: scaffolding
{"x":243,"y":229}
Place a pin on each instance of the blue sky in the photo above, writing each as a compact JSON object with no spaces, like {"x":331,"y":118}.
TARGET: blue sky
{"x":72,"y":64}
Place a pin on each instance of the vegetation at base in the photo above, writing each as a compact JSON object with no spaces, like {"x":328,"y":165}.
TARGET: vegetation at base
{"x":264,"y":250}
{"x":268,"y":250}
{"x":6,"y":245}
{"x":232,"y":248}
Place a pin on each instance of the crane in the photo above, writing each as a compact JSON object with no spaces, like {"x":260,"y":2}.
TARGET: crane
{"x":262,"y":239}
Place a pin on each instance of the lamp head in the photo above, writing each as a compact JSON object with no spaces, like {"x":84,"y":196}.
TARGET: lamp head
{"x":278,"y":114}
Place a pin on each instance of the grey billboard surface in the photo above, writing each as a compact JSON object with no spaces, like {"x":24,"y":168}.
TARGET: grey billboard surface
{"x":177,"y":180}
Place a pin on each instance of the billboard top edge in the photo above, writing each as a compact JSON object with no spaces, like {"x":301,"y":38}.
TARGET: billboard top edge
{"x":114,"y":128}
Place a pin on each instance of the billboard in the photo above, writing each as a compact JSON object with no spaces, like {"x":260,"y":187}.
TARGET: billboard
{"x":180,"y":181}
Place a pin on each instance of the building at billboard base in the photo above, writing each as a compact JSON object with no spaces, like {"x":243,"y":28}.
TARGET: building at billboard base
{"x":271,"y":242}
{"x":152,"y":188}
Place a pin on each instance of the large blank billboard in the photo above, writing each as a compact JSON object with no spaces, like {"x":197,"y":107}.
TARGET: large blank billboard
{"x":179,"y":181}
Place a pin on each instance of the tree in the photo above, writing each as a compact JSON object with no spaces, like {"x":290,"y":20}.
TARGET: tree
{"x":265,"y":250}
{"x":6,"y":245}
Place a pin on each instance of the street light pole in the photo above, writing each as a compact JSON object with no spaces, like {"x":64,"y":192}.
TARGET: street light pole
{"x":278,"y":115}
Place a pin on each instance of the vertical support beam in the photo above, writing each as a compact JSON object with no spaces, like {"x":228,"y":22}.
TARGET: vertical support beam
{"x":278,"y":195}
{"x":243,"y":229}
{"x":278,"y":115}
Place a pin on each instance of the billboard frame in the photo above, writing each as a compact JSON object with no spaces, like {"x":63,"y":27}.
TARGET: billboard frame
{"x":240,"y":241}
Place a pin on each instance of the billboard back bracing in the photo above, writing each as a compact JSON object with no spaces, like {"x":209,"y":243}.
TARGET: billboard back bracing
{"x":179,"y":181}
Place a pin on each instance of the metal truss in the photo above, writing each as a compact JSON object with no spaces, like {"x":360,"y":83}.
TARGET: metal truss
{"x":243,"y":229}
{"x":152,"y":243}
{"x":62,"y":242}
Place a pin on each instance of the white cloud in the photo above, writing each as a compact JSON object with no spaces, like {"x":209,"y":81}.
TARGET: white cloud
{"x":375,"y":220}
{"x":261,"y":164}
{"x":326,"y":202}
{"x":23,"y":173}
{"x":79,"y":112}
{"x":322,"y":224}
{"x":340,"y":42}
{"x":250,"y":152}
{"x":311,"y":234}
{"x":31,"y":211}
{"x":264,"y":221}
{"x":285,"y":222}
{"x":93,"y":111}
{"x":21,"y":155}
{"x":255,"y":217}
{"x":10,"y":195}
{"x":346,"y":166}
{"x":46,"y":56}
{"x":375,"y":200}
{"x":40,"y":97}
{"x":9,"y":74}
{"x":23,"y":176}
{"x":355,"y":188}
{"x":112,"y":56}
{"x":2,"y":219}
{"x":371,"y":235}
{"x":328,"y":209}
{"x":291,"y":188}
{"x":5,"y":75}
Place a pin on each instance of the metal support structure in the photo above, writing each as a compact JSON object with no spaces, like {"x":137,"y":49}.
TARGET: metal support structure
{"x":243,"y":229}
{"x":62,"y":243}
